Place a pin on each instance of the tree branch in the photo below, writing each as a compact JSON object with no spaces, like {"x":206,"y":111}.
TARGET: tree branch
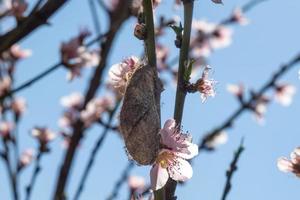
{"x":230,"y":121}
{"x":35,"y":20}
{"x":34,"y":176}
{"x":45,"y":73}
{"x":180,"y":92}
{"x":232,"y":169}
{"x":121,"y":180}
{"x":78,"y":128}
{"x":94,"y":152}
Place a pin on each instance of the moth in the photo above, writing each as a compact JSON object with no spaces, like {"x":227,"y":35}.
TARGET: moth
{"x":140,"y":115}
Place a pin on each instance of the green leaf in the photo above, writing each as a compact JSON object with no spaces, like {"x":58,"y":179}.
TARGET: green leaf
{"x":177,"y":29}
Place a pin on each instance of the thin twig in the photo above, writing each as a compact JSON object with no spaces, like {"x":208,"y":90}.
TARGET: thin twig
{"x":228,"y":123}
{"x":11,"y":175}
{"x":232,"y":169}
{"x":180,"y":92}
{"x":95,"y":16}
{"x":36,"y":7}
{"x":30,"y":24}
{"x":120,"y":181}
{"x":78,"y":128}
{"x":45,"y":73}
{"x":150,"y":37}
{"x":94,"y":152}
{"x":104,"y":6}
{"x":34,"y":176}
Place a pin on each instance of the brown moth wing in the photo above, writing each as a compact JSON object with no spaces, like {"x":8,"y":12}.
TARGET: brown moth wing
{"x":140,"y":115}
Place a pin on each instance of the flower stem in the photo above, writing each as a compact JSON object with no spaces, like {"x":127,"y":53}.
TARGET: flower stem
{"x":180,"y":92}
{"x":94,"y":152}
{"x":150,"y":37}
{"x":183,"y":58}
{"x":34,"y":176}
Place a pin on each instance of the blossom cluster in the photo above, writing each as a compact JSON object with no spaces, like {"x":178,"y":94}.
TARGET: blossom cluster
{"x":75,"y":55}
{"x":171,"y":162}
{"x":92,"y":113}
{"x":283,"y":95}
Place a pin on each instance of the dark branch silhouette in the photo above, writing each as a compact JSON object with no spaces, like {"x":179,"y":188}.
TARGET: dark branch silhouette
{"x":117,"y":19}
{"x":228,"y":123}
{"x":121,"y":180}
{"x":232,"y":169}
{"x":94,"y":152}
{"x":32,"y":22}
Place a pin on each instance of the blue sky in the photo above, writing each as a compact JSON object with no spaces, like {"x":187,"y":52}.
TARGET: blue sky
{"x":257,"y":50}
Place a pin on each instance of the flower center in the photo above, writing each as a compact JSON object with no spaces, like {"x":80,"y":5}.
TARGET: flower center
{"x":164,"y":159}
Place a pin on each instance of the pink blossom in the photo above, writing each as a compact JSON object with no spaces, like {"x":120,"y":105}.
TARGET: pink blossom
{"x":136,"y":183}
{"x":203,"y":27}
{"x":18,"y":105}
{"x":221,"y":37}
{"x":66,"y":139}
{"x":26,"y":157}
{"x":18,"y":53}
{"x":209,"y":36}
{"x":217,"y":140}
{"x":72,"y":101}
{"x":5,"y":7}
{"x":44,"y":135}
{"x":205,"y":85}
{"x":202,"y":49}
{"x":120,"y":73}
{"x":171,"y":160}
{"x":15,"y":53}
{"x":5,"y":85}
{"x":260,"y":108}
{"x":94,"y":109}
{"x":68,"y":118}
{"x":284,"y":94}
{"x":290,"y":165}
{"x":75,"y":55}
{"x":162,"y":53}
{"x":237,"y":90}
{"x":6,"y":129}
{"x":18,"y":8}
{"x":239,"y":17}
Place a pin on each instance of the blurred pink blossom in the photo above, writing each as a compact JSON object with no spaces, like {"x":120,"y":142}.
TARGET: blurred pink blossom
{"x":260,"y":108}
{"x":171,"y":160}
{"x":6,"y":129}
{"x":237,"y":90}
{"x":120,"y":73}
{"x":221,"y":37}
{"x":284,"y":94}
{"x":162,"y":53}
{"x":44,"y":135}
{"x":72,"y":103}
{"x":15,"y":53}
{"x":239,"y":17}
{"x":26,"y":157}
{"x":217,"y":140}
{"x":136,"y":183}
{"x":94,"y":109}
{"x":290,"y":165}
{"x":5,"y":85}
{"x":209,"y":36}
{"x":75,"y":55}
{"x":18,"y":8}
{"x":18,"y":105}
